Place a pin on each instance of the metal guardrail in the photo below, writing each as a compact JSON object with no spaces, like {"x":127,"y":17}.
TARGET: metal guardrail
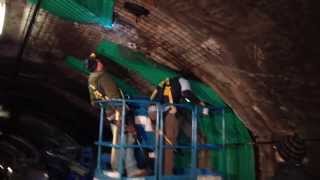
{"x":159,"y":144}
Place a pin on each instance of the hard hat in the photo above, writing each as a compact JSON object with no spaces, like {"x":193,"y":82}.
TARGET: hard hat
{"x":93,"y":56}
{"x":91,"y":62}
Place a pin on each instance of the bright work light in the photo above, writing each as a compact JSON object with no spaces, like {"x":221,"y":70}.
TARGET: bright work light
{"x":2,"y":14}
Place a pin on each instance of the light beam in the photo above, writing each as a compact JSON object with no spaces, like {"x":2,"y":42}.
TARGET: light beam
{"x":2,"y":14}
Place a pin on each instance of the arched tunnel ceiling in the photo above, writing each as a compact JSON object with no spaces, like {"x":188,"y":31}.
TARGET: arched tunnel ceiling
{"x":259,"y":55}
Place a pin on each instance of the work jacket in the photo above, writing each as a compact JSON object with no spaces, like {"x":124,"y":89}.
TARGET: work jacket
{"x":173,"y":90}
{"x":104,"y":84}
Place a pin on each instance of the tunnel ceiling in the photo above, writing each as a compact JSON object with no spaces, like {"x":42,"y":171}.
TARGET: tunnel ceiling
{"x":259,"y":55}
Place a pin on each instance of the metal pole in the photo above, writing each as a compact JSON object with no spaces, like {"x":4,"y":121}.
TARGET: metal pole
{"x":102,"y":114}
{"x":223,"y":128}
{"x":26,"y":38}
{"x":194,"y":141}
{"x":224,"y":140}
{"x":161,"y":149}
{"x":122,"y":139}
{"x":156,"y":163}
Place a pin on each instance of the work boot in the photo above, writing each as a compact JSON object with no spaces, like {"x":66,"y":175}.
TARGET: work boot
{"x":111,"y":174}
{"x":137,"y":173}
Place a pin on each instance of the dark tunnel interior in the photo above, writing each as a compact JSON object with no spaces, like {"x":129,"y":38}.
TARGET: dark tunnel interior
{"x":259,"y":58}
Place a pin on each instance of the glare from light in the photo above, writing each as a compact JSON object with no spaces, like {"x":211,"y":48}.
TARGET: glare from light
{"x":2,"y":14}
{"x":45,"y":175}
{"x":10,"y":170}
{"x":4,"y":114}
{"x":1,"y":166}
{"x":109,"y":26}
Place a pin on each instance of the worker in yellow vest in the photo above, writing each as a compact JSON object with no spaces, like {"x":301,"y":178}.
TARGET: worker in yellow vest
{"x":102,"y":87}
{"x":172,"y":91}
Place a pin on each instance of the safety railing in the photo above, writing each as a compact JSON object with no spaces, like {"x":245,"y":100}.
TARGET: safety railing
{"x":159,"y":145}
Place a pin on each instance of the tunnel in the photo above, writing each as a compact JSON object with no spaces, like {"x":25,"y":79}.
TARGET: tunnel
{"x":257,"y":59}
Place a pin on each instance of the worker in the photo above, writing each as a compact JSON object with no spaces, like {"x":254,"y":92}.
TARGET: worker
{"x":102,"y":87}
{"x":145,"y":132}
{"x":290,"y":155}
{"x":172,"y":91}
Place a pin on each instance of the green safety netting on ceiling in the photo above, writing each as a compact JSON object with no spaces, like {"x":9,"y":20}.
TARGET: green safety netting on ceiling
{"x":236,"y":160}
{"x":78,"y":65}
{"x":82,"y":11}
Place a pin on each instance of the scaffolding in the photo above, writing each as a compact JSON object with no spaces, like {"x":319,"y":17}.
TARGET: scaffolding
{"x":159,"y":145}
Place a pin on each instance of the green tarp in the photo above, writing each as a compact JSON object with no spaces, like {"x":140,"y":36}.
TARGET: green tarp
{"x":82,"y":11}
{"x":236,"y":160}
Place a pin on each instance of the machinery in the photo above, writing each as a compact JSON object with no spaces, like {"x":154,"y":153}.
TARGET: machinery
{"x":193,"y":172}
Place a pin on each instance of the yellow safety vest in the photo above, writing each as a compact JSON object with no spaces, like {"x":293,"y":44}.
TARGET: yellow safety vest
{"x":166,"y":90}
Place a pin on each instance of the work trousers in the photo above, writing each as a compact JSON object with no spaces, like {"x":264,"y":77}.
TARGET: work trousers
{"x":129,"y":159}
{"x":171,"y":131}
{"x":172,"y":126}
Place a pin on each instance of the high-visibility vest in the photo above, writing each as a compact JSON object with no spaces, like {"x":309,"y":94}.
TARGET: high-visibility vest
{"x":166,"y":90}
{"x":99,"y":95}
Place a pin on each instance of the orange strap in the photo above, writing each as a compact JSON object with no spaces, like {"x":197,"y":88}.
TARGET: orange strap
{"x":167,"y":92}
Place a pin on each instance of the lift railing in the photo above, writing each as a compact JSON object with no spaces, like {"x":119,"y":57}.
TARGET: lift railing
{"x":159,"y":145}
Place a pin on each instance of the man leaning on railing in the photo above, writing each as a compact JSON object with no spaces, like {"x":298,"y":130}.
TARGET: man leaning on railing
{"x":102,"y":87}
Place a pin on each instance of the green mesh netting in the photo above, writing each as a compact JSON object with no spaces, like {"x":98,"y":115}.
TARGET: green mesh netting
{"x":82,"y":11}
{"x":236,"y":160}
{"x":134,"y":61}
{"x":78,"y":65}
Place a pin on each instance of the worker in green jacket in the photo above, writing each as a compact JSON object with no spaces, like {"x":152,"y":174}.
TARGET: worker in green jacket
{"x":102,"y":87}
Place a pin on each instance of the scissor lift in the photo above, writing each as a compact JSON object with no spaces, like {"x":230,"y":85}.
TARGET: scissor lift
{"x":159,"y":145}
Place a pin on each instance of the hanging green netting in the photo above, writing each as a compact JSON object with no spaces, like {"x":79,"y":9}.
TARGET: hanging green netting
{"x":236,"y":160}
{"x":78,"y":65}
{"x":134,"y":61}
{"x":82,"y":11}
